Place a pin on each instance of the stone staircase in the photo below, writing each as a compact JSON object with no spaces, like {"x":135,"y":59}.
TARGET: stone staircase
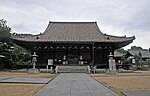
{"x":72,"y":69}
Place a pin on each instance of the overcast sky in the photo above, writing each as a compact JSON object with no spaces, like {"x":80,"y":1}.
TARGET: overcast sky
{"x":114,"y":17}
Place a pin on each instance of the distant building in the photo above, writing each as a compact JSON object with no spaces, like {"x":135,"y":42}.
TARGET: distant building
{"x":118,"y":56}
{"x":145,"y":54}
{"x":73,"y":42}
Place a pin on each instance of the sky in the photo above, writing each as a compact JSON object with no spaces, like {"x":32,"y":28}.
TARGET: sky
{"x":114,"y":17}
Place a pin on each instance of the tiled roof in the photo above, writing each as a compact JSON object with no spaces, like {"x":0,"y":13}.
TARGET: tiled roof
{"x":74,"y":32}
{"x":136,"y":50}
{"x":118,"y":54}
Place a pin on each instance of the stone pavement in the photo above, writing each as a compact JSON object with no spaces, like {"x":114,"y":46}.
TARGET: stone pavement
{"x":4,"y":78}
{"x":75,"y":84}
{"x":25,"y":80}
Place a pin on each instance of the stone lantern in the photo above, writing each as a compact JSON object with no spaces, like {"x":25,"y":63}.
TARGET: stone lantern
{"x":112,"y":64}
{"x":34,"y":60}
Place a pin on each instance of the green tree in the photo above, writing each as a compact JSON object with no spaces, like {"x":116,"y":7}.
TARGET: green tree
{"x":121,"y":50}
{"x":20,"y":54}
{"x":4,"y":31}
{"x":14,"y":54}
{"x":138,"y":61}
{"x":5,"y":44}
{"x":4,"y":50}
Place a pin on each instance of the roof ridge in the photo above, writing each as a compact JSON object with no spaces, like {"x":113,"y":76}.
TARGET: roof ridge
{"x":72,"y":22}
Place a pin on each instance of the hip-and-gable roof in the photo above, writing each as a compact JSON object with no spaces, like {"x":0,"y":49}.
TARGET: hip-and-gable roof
{"x":74,"y":32}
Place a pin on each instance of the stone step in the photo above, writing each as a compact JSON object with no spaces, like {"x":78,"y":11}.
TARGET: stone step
{"x":72,"y":69}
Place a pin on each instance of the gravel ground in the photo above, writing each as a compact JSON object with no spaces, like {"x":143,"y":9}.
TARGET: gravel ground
{"x":118,"y":83}
{"x":7,"y":89}
{"x":125,"y":81}
{"x":15,"y":89}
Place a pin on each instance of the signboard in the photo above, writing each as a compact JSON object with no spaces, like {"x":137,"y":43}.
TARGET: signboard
{"x":50,"y":61}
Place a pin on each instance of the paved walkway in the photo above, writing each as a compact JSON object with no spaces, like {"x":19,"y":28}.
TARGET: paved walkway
{"x":74,"y":84}
{"x":4,"y":78}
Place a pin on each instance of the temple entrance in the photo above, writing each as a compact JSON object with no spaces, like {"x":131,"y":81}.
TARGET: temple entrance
{"x":73,"y":57}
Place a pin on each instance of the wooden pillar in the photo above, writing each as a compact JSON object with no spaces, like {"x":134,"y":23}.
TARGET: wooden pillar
{"x":93,"y":53}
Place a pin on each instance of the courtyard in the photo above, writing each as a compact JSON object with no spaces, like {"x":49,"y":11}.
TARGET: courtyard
{"x":122,"y":82}
{"x":21,"y":89}
{"x":119,"y":83}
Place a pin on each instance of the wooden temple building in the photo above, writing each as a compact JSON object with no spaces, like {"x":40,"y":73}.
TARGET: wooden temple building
{"x":72,"y":42}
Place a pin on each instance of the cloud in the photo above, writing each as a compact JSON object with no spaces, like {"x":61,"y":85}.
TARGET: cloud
{"x":115,"y":17}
